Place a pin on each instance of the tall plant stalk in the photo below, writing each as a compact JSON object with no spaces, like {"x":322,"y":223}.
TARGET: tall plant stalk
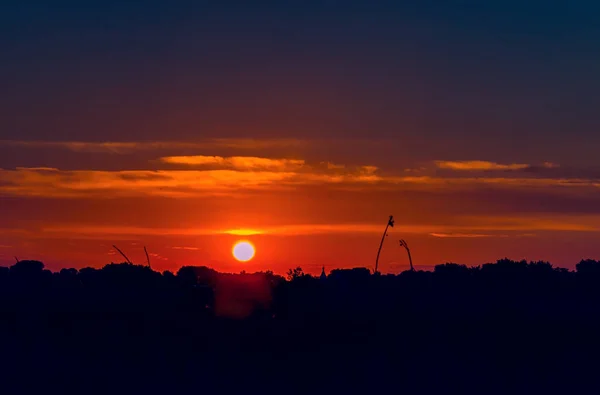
{"x":390,"y":223}
{"x":403,"y":244}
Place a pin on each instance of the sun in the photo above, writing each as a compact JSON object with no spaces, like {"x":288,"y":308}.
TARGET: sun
{"x":243,"y":251}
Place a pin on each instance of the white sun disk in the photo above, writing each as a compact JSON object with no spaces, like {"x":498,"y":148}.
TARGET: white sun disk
{"x":243,"y":251}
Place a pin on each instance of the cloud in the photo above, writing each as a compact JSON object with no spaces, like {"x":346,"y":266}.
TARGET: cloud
{"x":246,"y":174}
{"x":186,"y":248}
{"x":35,"y":182}
{"x":236,"y":162}
{"x":463,"y":235}
{"x":471,"y":227}
{"x":284,"y":230}
{"x":368,"y":169}
{"x":232,"y":175}
{"x":193,"y":160}
{"x":550,"y":165}
{"x":305,"y":229}
{"x":158,"y":256}
{"x":249,"y":144}
{"x":244,"y":232}
{"x":91,"y":231}
{"x":475,"y":182}
{"x":478,"y":235}
{"x":288,"y":230}
{"x":478,"y":165}
{"x":333,"y":166}
{"x":116,"y":147}
{"x":38,"y":168}
{"x":416,"y":170}
{"x":571,"y":223}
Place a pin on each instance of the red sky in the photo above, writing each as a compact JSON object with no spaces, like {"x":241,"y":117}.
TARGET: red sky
{"x":189,"y":201}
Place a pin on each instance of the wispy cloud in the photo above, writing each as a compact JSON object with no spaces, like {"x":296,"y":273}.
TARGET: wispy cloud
{"x":495,"y":181}
{"x":236,"y":162}
{"x":243,"y":232}
{"x":305,"y":229}
{"x":550,"y":165}
{"x":478,"y":235}
{"x":158,"y":256}
{"x":333,"y":166}
{"x":50,"y":182}
{"x":101,"y":232}
{"x":571,"y":223}
{"x":115,"y":147}
{"x":286,"y":230}
{"x":41,"y":169}
{"x":369,"y":169}
{"x":231,"y":174}
{"x":35,"y":182}
{"x":463,"y":235}
{"x":478,"y":165}
{"x":186,"y":248}
{"x":91,"y":231}
{"x":471,"y":227}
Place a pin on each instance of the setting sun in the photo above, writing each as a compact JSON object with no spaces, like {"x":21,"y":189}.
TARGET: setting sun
{"x":243,"y":251}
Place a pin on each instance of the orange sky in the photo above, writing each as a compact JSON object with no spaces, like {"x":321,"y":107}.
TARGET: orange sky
{"x":303,"y":203}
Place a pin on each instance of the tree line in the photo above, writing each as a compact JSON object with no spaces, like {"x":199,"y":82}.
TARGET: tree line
{"x":504,"y":327}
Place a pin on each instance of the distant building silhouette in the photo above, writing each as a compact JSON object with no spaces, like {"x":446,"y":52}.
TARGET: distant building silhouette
{"x":323,"y":275}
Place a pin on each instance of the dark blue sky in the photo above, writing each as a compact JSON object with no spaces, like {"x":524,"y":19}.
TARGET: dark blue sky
{"x":75,"y":70}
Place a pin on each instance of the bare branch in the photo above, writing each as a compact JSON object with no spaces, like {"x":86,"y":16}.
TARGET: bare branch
{"x":405,"y":245}
{"x":390,"y":223}
{"x":121,"y":252}
{"x":147,"y":256}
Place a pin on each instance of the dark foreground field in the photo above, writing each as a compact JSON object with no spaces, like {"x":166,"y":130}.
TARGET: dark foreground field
{"x":509,"y":327}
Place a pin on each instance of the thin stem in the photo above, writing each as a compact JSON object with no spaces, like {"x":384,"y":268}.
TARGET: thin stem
{"x":412,"y":269}
{"x":381,"y":245}
{"x":405,"y":245}
{"x":147,"y":256}
{"x":121,"y":252}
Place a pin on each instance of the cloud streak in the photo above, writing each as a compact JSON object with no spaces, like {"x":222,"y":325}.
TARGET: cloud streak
{"x":287,"y":230}
{"x":115,"y":147}
{"x":479,"y":165}
{"x":463,"y":235}
{"x":247,"y":173}
{"x":56,"y":183}
{"x":471,"y":227}
{"x":236,"y":162}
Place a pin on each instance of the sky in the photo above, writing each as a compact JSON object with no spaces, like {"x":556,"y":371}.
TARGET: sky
{"x":185,"y":126}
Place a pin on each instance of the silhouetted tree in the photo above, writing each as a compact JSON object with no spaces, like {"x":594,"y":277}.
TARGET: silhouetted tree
{"x":446,"y":322}
{"x":27,"y":268}
{"x":588,"y":267}
{"x":197,"y":275}
{"x":453,"y":269}
{"x":168,"y":275}
{"x":68,"y":272}
{"x":293,"y":274}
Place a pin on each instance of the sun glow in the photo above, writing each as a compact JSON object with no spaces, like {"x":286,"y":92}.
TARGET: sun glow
{"x":243,"y":232}
{"x":243,"y":251}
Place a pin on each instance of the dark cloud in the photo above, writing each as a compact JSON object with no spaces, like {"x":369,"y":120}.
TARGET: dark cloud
{"x":574,"y":172}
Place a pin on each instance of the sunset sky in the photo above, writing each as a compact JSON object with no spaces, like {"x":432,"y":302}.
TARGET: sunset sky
{"x":184,"y":126}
